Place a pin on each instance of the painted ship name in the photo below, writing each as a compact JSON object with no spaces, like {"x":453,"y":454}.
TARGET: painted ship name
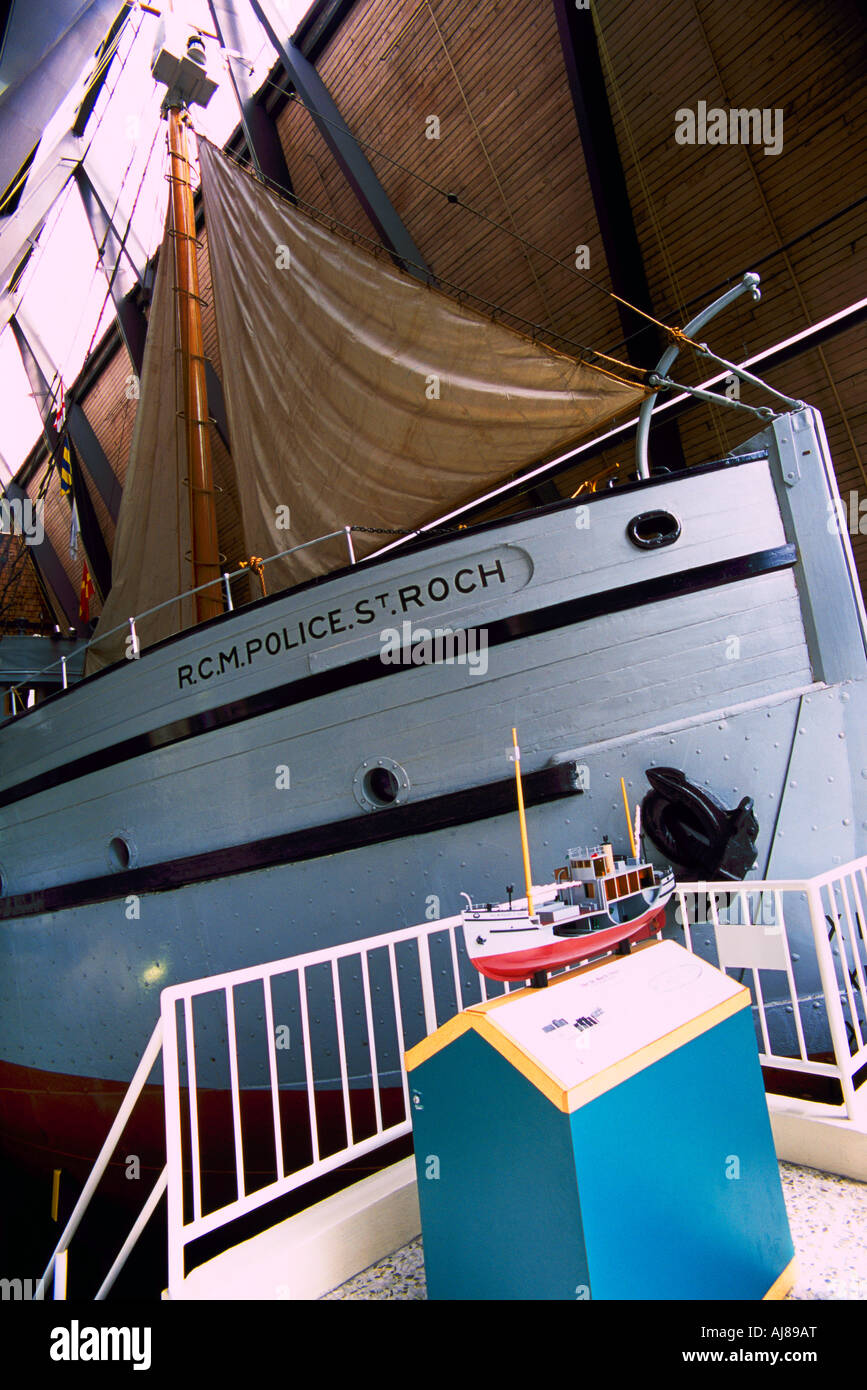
{"x":424,"y":593}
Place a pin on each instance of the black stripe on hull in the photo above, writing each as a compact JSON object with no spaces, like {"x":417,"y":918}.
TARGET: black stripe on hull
{"x":372,"y":668}
{"x":395,"y":823}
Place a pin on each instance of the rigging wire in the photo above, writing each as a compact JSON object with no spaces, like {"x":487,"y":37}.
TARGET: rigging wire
{"x":698,"y":300}
{"x":476,"y":212}
{"x":546,"y":306}
{"x":667,"y":261}
{"x":686,"y":306}
{"x":591,"y":356}
{"x":766,"y":207}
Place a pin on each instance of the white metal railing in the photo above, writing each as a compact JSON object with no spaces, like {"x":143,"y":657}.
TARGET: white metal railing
{"x":810,"y":933}
{"x":57,"y":1265}
{"x":321,"y":988}
{"x":436,"y":945}
{"x":130,"y":623}
{"x":374,"y":999}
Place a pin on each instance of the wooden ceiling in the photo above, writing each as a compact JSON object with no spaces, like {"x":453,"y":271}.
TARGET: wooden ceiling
{"x":493,"y":74}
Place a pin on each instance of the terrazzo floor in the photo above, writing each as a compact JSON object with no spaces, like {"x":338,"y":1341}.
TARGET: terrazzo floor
{"x":827,"y":1216}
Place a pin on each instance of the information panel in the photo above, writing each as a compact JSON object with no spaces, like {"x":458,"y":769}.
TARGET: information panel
{"x":582,"y":1026}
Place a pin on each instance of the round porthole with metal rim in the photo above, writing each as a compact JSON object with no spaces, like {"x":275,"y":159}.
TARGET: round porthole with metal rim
{"x":122,"y":853}
{"x":380,"y":783}
{"x":650,"y":530}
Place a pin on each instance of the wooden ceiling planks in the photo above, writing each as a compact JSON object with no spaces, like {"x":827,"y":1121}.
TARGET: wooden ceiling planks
{"x":703,"y":214}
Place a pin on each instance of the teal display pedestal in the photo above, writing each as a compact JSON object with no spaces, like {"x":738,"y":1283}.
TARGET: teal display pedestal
{"x":606,"y":1138}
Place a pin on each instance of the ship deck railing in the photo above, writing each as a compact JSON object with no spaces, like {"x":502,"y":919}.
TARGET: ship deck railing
{"x":61,"y":665}
{"x":797,"y":944}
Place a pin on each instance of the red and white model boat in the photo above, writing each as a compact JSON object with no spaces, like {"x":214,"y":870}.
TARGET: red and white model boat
{"x":602,"y":903}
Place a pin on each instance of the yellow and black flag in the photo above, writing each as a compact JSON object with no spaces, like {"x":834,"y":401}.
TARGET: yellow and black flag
{"x":66,"y":469}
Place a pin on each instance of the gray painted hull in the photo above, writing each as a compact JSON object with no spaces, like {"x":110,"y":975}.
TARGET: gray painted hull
{"x":756,"y":686}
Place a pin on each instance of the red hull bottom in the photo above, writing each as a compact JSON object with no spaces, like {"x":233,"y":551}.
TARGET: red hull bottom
{"x":571,"y":950}
{"x":50,"y":1120}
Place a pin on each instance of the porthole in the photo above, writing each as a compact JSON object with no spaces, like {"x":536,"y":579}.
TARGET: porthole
{"x":380,"y":783}
{"x":381,"y":786}
{"x":651,"y":530}
{"x":121,"y":852}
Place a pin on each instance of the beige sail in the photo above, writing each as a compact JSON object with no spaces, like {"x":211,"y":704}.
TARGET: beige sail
{"x":150,"y":563}
{"x":358,"y":395}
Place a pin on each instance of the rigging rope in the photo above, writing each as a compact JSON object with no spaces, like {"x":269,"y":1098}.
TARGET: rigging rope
{"x":590,"y":355}
{"x":786,"y":259}
{"x":483,"y":217}
{"x":667,"y":261}
{"x":545,"y":305}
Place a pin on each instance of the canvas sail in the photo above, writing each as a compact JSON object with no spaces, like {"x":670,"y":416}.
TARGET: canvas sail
{"x":358,"y":395}
{"x":151,"y":563}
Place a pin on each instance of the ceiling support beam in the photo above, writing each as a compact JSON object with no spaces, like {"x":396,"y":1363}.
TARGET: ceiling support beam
{"x":239,"y":40}
{"x":78,"y":428}
{"x":320,"y":24}
{"x":345,"y":149}
{"x":53,"y":579}
{"x":97,"y":82}
{"x":119,"y":268}
{"x":18,"y":232}
{"x":644,"y":344}
{"x":91,"y":532}
{"x":607,"y":179}
{"x":94,"y":458}
{"x":33,"y":354}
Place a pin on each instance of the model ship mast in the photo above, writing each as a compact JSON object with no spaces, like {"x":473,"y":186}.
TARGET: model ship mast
{"x":525,"y":847}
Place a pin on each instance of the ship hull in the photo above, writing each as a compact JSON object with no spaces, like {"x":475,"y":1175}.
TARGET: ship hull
{"x":290,"y":776}
{"x":511,"y":966}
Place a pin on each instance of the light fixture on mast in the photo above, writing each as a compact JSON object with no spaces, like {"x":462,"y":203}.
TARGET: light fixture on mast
{"x":180,"y":63}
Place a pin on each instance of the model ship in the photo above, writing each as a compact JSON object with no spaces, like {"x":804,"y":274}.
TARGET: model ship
{"x":602,"y":903}
{"x":238,"y":784}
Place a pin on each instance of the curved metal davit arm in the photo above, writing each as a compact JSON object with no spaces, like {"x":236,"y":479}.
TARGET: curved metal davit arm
{"x":748,"y":285}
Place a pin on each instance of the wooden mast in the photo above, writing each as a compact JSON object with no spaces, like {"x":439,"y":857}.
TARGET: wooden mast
{"x":203,"y":516}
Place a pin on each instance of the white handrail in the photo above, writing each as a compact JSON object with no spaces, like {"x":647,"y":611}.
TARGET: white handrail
{"x":751,"y":943}
{"x":841,"y":887}
{"x":176,"y":598}
{"x":316,"y":994}
{"x":142,"y":1072}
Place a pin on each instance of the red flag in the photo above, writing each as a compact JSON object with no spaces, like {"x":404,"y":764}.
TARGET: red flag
{"x":87,"y":592}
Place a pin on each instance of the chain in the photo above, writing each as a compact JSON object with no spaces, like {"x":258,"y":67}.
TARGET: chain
{"x":400,"y":531}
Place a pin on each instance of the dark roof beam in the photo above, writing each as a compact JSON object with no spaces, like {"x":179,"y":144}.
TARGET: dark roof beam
{"x":644,"y":344}
{"x":52,"y":577}
{"x":120,"y":270}
{"x":260,"y":130}
{"x":97,"y":82}
{"x":345,"y":149}
{"x":98,"y":466}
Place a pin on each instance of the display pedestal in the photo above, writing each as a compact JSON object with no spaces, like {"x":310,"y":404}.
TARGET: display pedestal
{"x":607,"y":1137}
